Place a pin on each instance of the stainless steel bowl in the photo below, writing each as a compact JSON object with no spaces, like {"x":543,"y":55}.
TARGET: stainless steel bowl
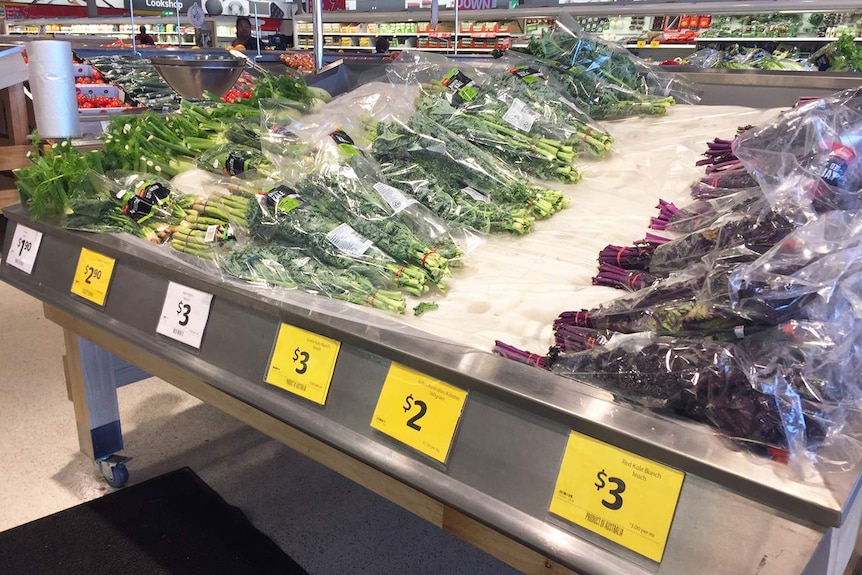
{"x":193,"y":74}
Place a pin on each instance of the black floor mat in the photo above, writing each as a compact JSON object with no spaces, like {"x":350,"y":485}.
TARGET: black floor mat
{"x":174,"y":523}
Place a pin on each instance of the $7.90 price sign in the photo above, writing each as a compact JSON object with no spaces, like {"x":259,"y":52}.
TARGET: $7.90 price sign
{"x":303,"y":363}
{"x":617,"y":494}
{"x":419,"y":411}
{"x":25,"y":246}
{"x":185,"y":314}
{"x":93,"y":276}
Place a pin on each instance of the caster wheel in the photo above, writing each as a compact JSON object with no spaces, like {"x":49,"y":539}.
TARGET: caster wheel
{"x":114,"y":470}
{"x":118,"y":476}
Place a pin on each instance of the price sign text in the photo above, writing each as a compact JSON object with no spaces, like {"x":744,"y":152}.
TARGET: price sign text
{"x":93,"y":276}
{"x":617,"y":494}
{"x":419,"y":411}
{"x":303,"y":363}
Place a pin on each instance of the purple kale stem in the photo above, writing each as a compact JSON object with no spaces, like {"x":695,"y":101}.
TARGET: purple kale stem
{"x":616,"y":277}
{"x":658,"y":224}
{"x":575,"y":318}
{"x":519,"y":355}
{"x":630,"y":258}
{"x":655,"y":240}
{"x":574,"y":339}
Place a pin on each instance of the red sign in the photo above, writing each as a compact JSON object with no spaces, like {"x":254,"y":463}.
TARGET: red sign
{"x":329,"y":5}
{"x":28,"y":11}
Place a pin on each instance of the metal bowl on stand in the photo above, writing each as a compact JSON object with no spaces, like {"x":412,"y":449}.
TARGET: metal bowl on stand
{"x":193,"y":74}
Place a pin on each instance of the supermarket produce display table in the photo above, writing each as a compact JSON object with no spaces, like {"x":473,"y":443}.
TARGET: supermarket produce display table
{"x":492,"y":479}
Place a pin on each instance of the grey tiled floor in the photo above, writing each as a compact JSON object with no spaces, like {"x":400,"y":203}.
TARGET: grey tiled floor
{"x":326,"y":523}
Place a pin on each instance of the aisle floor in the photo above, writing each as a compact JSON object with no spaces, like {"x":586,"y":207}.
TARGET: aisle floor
{"x":326,"y":523}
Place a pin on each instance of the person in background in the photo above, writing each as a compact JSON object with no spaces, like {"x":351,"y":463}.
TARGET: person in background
{"x":144,"y":38}
{"x":243,"y":34}
{"x":382,"y":46}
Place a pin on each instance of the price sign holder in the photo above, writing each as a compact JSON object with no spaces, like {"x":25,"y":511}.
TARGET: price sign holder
{"x":641,"y":44}
{"x":419,"y":411}
{"x":616,"y":494}
{"x":654,"y":44}
{"x":24,"y":248}
{"x":302,"y":363}
{"x":93,"y":276}
{"x":185,"y":314}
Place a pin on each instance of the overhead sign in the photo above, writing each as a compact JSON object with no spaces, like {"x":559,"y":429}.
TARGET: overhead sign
{"x":476,"y":4}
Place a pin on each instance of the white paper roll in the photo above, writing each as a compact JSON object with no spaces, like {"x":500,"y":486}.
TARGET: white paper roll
{"x":52,"y":82}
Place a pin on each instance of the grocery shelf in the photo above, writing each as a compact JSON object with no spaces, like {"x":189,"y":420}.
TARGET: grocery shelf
{"x":824,"y":39}
{"x":503,"y":484}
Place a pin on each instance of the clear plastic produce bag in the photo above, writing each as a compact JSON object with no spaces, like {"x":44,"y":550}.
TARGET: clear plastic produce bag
{"x":604,"y":78}
{"x":808,"y":159}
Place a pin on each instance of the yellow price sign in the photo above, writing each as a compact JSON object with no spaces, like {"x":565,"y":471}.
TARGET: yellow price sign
{"x":641,"y":44}
{"x":654,"y":44}
{"x":303,"y":363}
{"x":617,"y":494}
{"x":93,"y":276}
{"x":419,"y":411}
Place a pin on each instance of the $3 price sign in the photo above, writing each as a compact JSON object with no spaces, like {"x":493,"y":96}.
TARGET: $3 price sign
{"x":303,"y":363}
{"x":419,"y":411}
{"x":185,"y":313}
{"x":617,"y":494}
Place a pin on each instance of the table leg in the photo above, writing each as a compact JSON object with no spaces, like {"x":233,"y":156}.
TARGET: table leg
{"x":93,"y":390}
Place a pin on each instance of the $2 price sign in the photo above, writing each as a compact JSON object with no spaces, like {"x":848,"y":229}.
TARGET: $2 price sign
{"x":185,"y":313}
{"x":93,"y":276}
{"x":24,"y":248}
{"x":303,"y":363}
{"x":419,"y":411}
{"x":617,"y":494}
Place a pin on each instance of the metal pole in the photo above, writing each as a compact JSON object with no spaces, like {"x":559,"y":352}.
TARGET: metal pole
{"x":317,"y":24}
{"x":179,"y":30}
{"x":457,"y":26}
{"x":257,"y":29}
{"x":134,"y":40}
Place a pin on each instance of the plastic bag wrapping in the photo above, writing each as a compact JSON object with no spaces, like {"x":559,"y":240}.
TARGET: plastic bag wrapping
{"x":475,"y":210}
{"x":796,"y":312}
{"x":295,"y":267}
{"x":808,"y":263}
{"x":394,"y":133}
{"x":694,"y":302}
{"x":99,"y":204}
{"x":280,"y":216}
{"x":341,"y":178}
{"x":604,"y":78}
{"x":232,"y":159}
{"x":702,"y":213}
{"x":807,"y":160}
{"x":481,"y":108}
{"x":706,"y":58}
{"x":703,"y":380}
{"x":759,"y":227}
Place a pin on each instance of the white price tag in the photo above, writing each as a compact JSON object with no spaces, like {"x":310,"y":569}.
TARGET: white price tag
{"x":349,"y":240}
{"x":520,"y":115}
{"x":185,"y":314}
{"x":393,"y":196}
{"x":25,"y":246}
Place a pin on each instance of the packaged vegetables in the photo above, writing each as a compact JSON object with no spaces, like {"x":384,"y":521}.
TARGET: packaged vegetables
{"x":748,"y":321}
